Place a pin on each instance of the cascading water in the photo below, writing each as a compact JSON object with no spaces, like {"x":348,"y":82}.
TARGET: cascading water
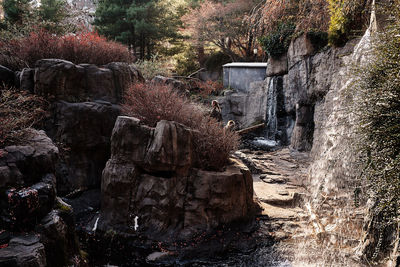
{"x":271,"y":118}
{"x":269,"y":140}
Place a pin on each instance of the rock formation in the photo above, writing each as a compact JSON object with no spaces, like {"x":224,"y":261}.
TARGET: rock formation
{"x":36,"y":228}
{"x":151,"y":177}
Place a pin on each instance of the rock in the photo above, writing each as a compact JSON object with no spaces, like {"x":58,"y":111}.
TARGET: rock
{"x":299,"y":48}
{"x":85,"y":204}
{"x":117,"y":182}
{"x":149,"y":185}
{"x":75,"y":83}
{"x":23,"y":251}
{"x":59,"y":78}
{"x":277,"y":67}
{"x":302,"y":136}
{"x":170,"y":148}
{"x":130,"y":140}
{"x":28,"y":162}
{"x":85,"y":129}
{"x":7,"y":76}
{"x":58,"y":239}
{"x":26,"y":79}
{"x":245,"y":108}
{"x":174,"y":83}
{"x":157,"y":256}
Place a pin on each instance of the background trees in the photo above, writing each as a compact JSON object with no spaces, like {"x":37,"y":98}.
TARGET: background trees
{"x":223,"y":25}
{"x":138,"y":23}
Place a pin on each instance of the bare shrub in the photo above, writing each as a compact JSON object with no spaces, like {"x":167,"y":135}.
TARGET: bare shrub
{"x":153,"y":102}
{"x":18,"y":111}
{"x":83,"y":47}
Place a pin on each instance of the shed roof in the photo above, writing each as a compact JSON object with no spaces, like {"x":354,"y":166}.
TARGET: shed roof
{"x":246,"y":65}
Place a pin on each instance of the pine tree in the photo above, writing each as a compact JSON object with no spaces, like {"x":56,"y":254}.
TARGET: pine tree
{"x":138,"y":23}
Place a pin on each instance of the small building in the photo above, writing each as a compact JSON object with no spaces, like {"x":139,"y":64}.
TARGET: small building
{"x":239,"y":75}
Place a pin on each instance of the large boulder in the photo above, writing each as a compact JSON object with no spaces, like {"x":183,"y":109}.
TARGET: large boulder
{"x":277,"y":66}
{"x":7,"y":76}
{"x":150,"y":186}
{"x":84,"y":129}
{"x":64,"y":80}
{"x":28,"y":185}
{"x":28,"y":163}
{"x":23,"y":251}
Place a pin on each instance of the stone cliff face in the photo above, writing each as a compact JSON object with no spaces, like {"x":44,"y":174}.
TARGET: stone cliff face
{"x":37,"y":229}
{"x":150,"y":186}
{"x":84,"y":106}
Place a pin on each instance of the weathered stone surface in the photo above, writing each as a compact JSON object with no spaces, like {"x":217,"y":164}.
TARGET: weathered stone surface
{"x":117,"y":182}
{"x":143,"y":183}
{"x":75,"y":83}
{"x":28,"y":163}
{"x":170,"y":148}
{"x":26,"y":79}
{"x":59,"y":78}
{"x":277,"y":67}
{"x":58,"y":238}
{"x":23,"y":251}
{"x":302,"y":136}
{"x":130,"y":140}
{"x":299,"y":48}
{"x":7,"y":76}
{"x":85,"y":129}
{"x":245,"y":108}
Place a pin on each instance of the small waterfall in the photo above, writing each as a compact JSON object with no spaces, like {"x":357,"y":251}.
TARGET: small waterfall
{"x":271,"y":118}
{"x":269,"y":137}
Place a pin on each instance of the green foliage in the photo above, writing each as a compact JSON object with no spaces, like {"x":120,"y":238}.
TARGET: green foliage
{"x":153,"y":67}
{"x":277,"y":43}
{"x":15,"y":10}
{"x":186,"y":61}
{"x":216,"y":60}
{"x":52,"y":10}
{"x":318,"y":39}
{"x":346,"y":17}
{"x":137,"y":23}
{"x":378,"y":110}
{"x":22,"y":18}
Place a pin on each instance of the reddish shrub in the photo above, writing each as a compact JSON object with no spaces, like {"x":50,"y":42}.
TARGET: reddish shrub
{"x":18,"y":111}
{"x":83,"y":47}
{"x":206,"y":88}
{"x":153,"y":102}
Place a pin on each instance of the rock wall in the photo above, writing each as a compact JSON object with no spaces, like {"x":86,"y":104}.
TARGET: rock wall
{"x":149,"y":182}
{"x":84,"y":106}
{"x":37,"y":229}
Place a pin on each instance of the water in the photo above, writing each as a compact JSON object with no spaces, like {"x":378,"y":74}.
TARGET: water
{"x":272,"y":121}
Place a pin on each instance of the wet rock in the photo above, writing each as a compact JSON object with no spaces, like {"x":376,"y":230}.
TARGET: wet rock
{"x":23,"y":251}
{"x":58,"y":238}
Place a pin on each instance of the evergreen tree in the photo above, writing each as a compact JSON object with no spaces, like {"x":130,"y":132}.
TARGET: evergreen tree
{"x":137,"y":23}
{"x":52,"y":10}
{"x":16,"y":10}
